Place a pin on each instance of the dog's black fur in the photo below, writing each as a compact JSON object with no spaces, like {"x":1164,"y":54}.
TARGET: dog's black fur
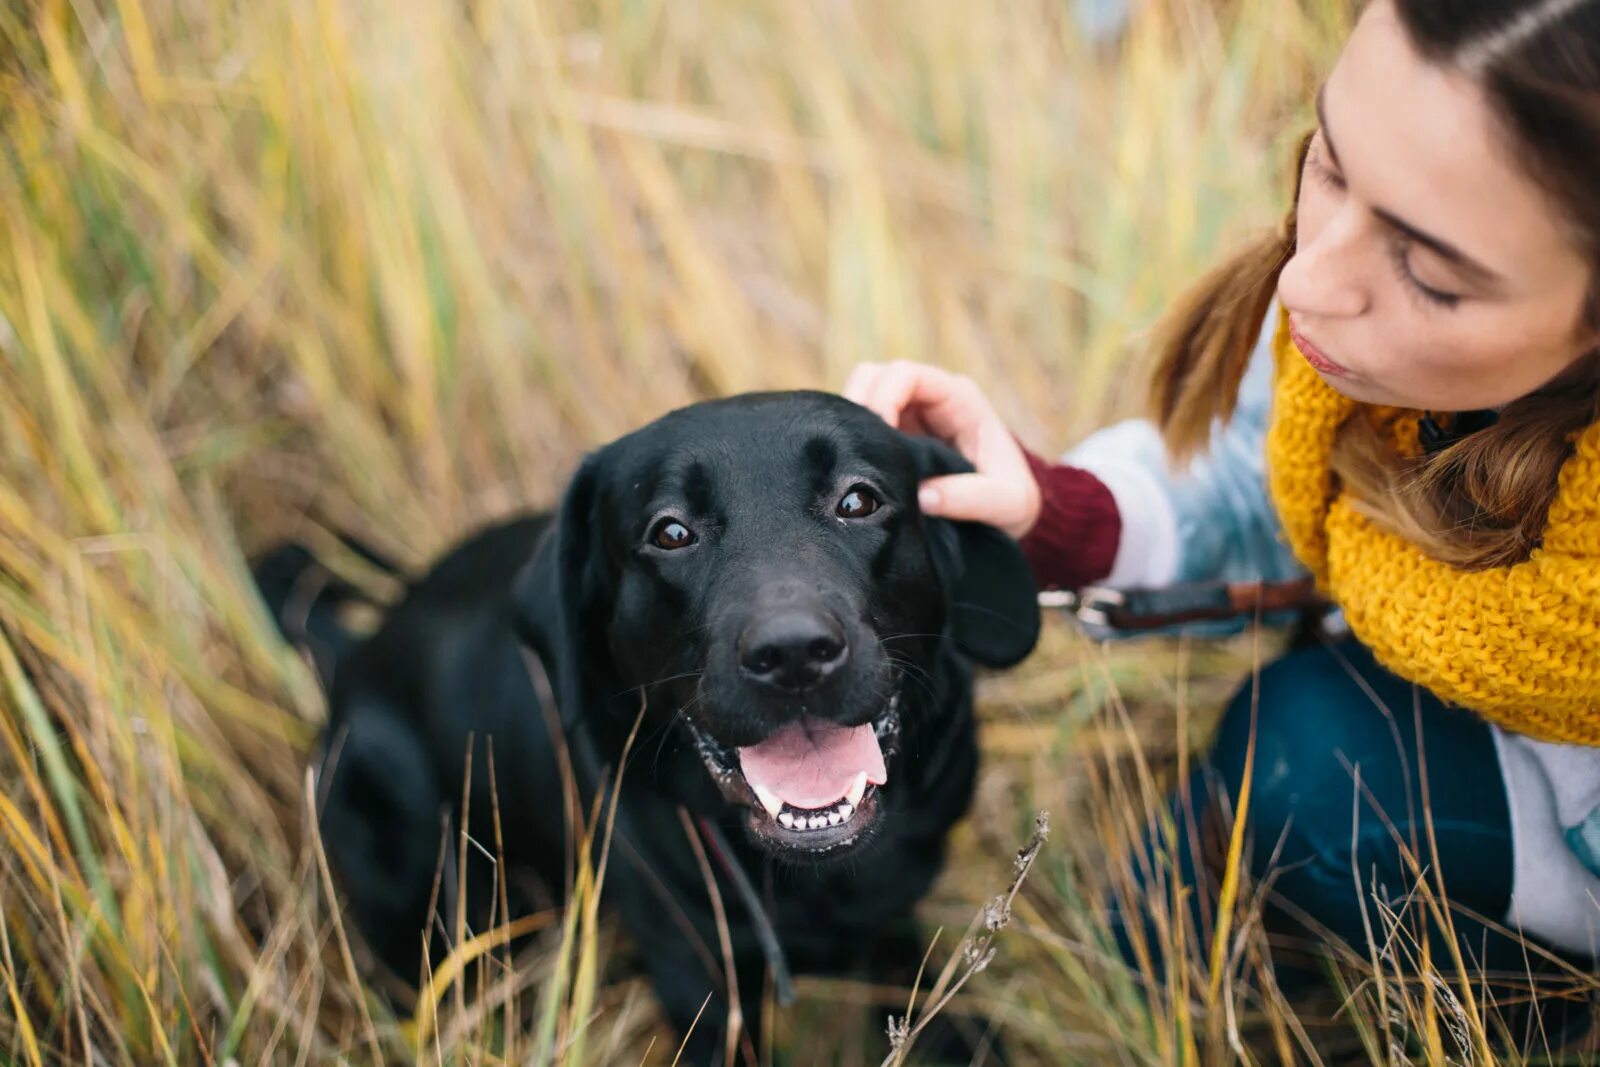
{"x":628,"y":631}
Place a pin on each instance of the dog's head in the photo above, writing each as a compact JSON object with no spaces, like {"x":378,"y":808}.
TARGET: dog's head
{"x":757,"y":571}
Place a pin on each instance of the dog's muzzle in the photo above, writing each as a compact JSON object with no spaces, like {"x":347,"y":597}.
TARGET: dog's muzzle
{"x":813,"y":786}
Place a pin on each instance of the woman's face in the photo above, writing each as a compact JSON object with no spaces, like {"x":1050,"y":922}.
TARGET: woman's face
{"x":1430,"y":272}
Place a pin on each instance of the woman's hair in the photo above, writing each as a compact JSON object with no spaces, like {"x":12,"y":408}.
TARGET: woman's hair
{"x":1481,"y":501}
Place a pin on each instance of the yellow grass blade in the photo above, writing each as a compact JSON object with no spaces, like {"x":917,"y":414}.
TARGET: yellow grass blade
{"x":1233,"y":870}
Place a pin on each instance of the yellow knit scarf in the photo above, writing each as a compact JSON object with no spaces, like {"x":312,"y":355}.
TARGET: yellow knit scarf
{"x":1518,"y":644}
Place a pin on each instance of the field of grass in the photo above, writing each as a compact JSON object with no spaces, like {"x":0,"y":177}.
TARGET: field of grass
{"x":389,"y":268}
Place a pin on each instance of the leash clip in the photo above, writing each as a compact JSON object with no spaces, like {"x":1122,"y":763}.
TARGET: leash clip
{"x":1093,"y":605}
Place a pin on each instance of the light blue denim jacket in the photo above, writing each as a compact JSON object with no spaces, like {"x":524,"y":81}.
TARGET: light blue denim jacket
{"x":1209,"y":519}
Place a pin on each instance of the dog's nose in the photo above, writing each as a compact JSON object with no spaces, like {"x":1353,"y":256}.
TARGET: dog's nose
{"x":792,"y":649}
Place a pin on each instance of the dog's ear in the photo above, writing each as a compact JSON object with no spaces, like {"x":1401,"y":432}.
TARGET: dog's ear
{"x":994,"y":603}
{"x":559,"y":595}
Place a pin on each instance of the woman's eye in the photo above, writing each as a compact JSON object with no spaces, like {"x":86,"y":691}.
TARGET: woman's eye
{"x":671,"y":534}
{"x":1321,"y":171}
{"x":858,"y":503}
{"x":1398,"y":249}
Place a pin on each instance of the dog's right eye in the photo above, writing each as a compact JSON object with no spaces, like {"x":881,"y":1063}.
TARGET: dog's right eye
{"x":671,"y":534}
{"x":858,"y":503}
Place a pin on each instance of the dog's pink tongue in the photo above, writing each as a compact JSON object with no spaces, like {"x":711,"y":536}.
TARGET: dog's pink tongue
{"x":811,"y":763}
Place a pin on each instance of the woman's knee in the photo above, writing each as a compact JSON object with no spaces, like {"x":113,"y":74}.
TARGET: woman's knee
{"x":1340,"y":779}
{"x":1314,"y":720}
{"x":1300,"y":709}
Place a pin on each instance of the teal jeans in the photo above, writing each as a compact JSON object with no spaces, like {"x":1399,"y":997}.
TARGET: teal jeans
{"x":1353,"y":769}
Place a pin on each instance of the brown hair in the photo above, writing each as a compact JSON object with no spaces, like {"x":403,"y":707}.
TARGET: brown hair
{"x":1481,"y":501}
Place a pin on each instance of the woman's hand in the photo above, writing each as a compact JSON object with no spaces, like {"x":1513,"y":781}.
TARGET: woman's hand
{"x":919,"y":398}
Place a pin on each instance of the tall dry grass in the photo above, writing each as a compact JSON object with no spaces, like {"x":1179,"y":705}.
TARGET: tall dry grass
{"x":389,"y":268}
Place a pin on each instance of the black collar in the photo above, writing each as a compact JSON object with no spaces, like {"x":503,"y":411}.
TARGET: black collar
{"x":1459,"y":424}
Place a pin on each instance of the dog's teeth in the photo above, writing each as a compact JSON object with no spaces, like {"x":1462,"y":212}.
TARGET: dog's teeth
{"x":818,"y":822}
{"x":768,"y":798}
{"x":834,"y":818}
{"x":857,"y":788}
{"x":846,"y":810}
{"x":786,"y":819}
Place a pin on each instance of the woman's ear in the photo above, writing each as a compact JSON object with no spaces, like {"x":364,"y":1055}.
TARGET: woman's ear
{"x":994,"y":603}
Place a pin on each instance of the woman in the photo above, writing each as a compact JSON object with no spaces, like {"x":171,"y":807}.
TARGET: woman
{"x":1400,"y":394}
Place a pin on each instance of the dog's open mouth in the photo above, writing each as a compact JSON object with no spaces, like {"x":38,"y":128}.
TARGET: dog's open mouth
{"x":813,"y":786}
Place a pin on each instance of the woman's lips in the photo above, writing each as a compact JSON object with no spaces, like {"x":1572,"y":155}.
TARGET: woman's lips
{"x":1314,"y":355}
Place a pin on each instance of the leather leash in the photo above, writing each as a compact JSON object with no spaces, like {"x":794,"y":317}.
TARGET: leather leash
{"x":766,"y":935}
{"x":1135,"y":610}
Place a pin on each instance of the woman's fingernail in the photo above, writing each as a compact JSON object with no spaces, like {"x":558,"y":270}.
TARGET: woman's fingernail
{"x":928,"y":497}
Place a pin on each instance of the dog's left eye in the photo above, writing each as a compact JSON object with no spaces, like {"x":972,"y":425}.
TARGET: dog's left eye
{"x":671,"y":534}
{"x":858,"y":503}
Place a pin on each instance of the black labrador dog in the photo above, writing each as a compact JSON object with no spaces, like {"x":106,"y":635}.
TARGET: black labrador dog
{"x":747,"y":589}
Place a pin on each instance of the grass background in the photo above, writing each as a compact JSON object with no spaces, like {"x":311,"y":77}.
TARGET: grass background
{"x":284,"y":268}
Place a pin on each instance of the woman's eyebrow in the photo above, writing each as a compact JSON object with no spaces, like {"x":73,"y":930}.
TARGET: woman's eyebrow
{"x":1468,"y":266}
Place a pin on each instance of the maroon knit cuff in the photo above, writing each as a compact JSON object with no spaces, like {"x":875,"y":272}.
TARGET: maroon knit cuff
{"x":1074,"y":543}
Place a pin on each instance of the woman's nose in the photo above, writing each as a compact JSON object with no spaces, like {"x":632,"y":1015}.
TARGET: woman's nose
{"x":1331,"y":273}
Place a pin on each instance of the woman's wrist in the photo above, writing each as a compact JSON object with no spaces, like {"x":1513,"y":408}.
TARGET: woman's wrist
{"x":1073,"y":541}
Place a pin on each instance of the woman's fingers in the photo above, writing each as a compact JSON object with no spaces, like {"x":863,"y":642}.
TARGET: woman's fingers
{"x":964,"y":497}
{"x":859,"y":384}
{"x":893,"y":387}
{"x":885,"y":389}
{"x":918,"y":397}
{"x":997,"y":501}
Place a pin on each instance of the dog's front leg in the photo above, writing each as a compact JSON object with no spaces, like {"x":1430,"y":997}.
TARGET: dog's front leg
{"x":701,"y":1014}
